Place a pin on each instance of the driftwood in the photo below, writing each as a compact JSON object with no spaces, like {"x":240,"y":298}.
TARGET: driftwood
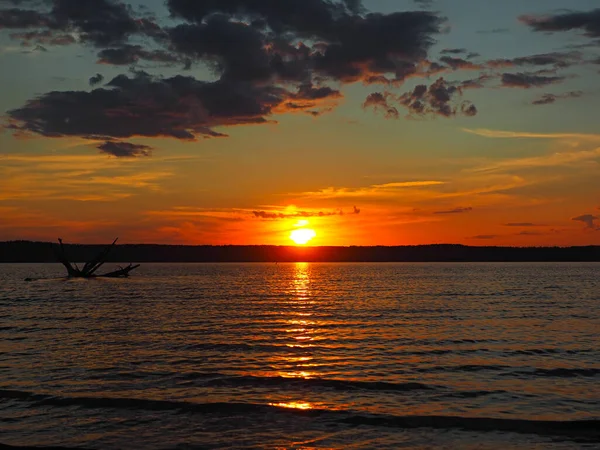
{"x":89,"y":268}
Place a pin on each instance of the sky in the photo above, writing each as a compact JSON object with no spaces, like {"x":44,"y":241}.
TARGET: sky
{"x":374,"y":122}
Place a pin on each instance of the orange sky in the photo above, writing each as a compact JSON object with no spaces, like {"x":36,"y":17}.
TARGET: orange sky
{"x":359,"y":169}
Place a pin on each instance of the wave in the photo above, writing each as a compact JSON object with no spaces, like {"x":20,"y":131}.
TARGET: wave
{"x":588,"y":430}
{"x":559,"y":372}
{"x":214,"y":380}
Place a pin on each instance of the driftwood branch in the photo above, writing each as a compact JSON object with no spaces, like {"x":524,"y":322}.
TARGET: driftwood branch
{"x":90,"y":267}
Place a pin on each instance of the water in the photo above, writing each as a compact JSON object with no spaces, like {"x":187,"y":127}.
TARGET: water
{"x":349,"y":356}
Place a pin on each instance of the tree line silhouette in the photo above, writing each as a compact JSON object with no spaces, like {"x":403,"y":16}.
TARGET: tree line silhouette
{"x":28,"y":251}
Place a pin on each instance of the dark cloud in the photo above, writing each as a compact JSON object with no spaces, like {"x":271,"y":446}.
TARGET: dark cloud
{"x":453,"y":51}
{"x":437,"y":99}
{"x":131,"y":54}
{"x":559,"y":60}
{"x":347,"y":46}
{"x":179,"y":107}
{"x":21,"y":18}
{"x":485,"y":236}
{"x":301,"y":214}
{"x":458,"y":210}
{"x":588,"y":21}
{"x":96,"y":79}
{"x":475,"y":83}
{"x":124,"y":149}
{"x":268,"y":57}
{"x":101,"y":23}
{"x":528,"y":80}
{"x":380,"y":102}
{"x":46,"y":37}
{"x":460,"y":63}
{"x":589,"y":221}
{"x":547,"y":99}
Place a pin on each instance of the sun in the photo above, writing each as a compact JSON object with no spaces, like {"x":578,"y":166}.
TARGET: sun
{"x":302,"y":236}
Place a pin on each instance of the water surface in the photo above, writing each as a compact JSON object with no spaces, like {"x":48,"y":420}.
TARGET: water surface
{"x":303,"y":356}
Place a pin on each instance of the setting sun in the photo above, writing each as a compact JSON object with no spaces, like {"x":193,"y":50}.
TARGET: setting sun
{"x":302,"y":236}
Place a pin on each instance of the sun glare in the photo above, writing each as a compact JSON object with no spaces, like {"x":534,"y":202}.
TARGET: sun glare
{"x":302,"y":236}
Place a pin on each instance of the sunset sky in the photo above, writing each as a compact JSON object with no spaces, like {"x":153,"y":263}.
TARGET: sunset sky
{"x":390,"y":122}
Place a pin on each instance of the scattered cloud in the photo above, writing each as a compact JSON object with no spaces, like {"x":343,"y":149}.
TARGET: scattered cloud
{"x":529,"y":80}
{"x":521,"y":224}
{"x":376,"y":190}
{"x":436,"y":100}
{"x":128,"y":54}
{"x":124,"y":149}
{"x":381,"y":102}
{"x":266,"y":60}
{"x":484,"y":236}
{"x":96,"y":79}
{"x":286,"y":214}
{"x":453,"y":51}
{"x":559,"y":60}
{"x":589,"y":221}
{"x":529,"y":135}
{"x":548,"y":99}
{"x":588,"y":21}
{"x":458,"y":210}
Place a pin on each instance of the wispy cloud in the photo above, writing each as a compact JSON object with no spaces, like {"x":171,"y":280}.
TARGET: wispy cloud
{"x":484,"y":132}
{"x":458,"y":210}
{"x":557,"y":159}
{"x":375,"y":190}
{"x":75,"y":177}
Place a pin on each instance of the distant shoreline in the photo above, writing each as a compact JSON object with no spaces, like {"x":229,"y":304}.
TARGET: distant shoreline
{"x":32,"y":252}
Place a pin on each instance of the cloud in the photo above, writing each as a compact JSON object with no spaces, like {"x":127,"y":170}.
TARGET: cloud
{"x":529,"y":135}
{"x":124,"y":149}
{"x":474,"y":83}
{"x":559,"y":60}
{"x":456,"y":63}
{"x":96,"y":79}
{"x":437,"y":99}
{"x":100,"y":23}
{"x":588,"y":21}
{"x":178,"y":107}
{"x":484,"y":236}
{"x":547,"y":99}
{"x":131,"y":54}
{"x":346,"y":46}
{"x":528,"y":80}
{"x":380,"y":101}
{"x":521,"y":224}
{"x":301,"y":214}
{"x":458,"y":210}
{"x":588,"y":220}
{"x":376,"y":190}
{"x":45,"y":37}
{"x":267,"y":58}
{"x":453,"y":51}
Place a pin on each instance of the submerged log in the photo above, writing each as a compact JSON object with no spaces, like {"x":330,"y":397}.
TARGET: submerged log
{"x":123,"y":272}
{"x":89,"y":268}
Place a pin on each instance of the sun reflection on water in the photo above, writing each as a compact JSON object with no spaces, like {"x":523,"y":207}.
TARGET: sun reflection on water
{"x":294,"y":405}
{"x":299,"y":325}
